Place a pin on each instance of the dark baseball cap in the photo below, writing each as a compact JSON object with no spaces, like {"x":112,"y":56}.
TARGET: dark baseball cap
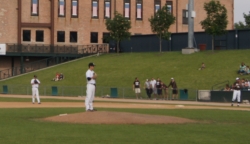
{"x":35,"y":76}
{"x":91,"y":64}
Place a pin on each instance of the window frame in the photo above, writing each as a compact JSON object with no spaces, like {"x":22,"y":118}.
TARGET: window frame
{"x":91,"y":37}
{"x":77,"y":10}
{"x":139,"y":2}
{"x":105,"y":9}
{"x":184,"y":17}
{"x":37,"y":14}
{"x":124,"y":2}
{"x":43,"y":35}
{"x":59,"y":9}
{"x":95,"y":17}
{"x":76,"y":36}
{"x":105,"y":33}
{"x":155,"y":3}
{"x":171,"y":4}
{"x":29,"y":35}
{"x":58,"y":37}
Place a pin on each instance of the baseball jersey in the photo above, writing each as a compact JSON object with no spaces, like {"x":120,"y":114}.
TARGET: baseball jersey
{"x":158,"y":84}
{"x":35,"y":83}
{"x":90,"y":74}
{"x":137,"y":84}
{"x":237,"y":86}
{"x":148,"y":85}
{"x":173,"y":84}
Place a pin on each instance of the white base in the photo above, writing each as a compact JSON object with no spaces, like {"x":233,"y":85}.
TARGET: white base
{"x":189,"y":50}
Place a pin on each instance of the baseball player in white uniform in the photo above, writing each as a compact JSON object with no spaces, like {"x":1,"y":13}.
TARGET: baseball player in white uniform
{"x":236,"y":92}
{"x":91,"y":84}
{"x":35,"y":92}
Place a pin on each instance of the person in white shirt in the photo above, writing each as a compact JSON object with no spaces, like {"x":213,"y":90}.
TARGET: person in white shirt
{"x":90,"y":92}
{"x":153,"y":83}
{"x":35,"y":92}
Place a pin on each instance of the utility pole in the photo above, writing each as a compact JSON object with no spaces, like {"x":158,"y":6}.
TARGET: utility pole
{"x":191,"y":24}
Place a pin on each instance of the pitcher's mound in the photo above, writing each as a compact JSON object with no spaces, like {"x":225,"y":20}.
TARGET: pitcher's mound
{"x":102,"y":117}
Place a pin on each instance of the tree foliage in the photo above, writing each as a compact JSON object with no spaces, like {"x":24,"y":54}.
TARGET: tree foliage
{"x":241,"y":25}
{"x":216,"y":21}
{"x":119,"y":28}
{"x":161,"y":22}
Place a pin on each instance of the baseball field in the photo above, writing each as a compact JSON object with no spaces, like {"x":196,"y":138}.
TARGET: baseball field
{"x":62,"y":120}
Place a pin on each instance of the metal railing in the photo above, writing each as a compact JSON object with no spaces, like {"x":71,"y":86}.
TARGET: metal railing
{"x":29,"y":67}
{"x":101,"y":91}
{"x":220,"y":85}
{"x":57,"y":49}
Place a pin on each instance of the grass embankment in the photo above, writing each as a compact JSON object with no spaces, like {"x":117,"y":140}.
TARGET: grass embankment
{"x":120,"y":70}
{"x":214,"y":126}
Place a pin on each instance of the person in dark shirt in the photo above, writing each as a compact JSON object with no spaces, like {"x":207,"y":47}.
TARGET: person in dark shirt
{"x":165,"y":91}
{"x":61,"y":77}
{"x":159,"y":89}
{"x":174,"y":87}
{"x":148,"y":88}
{"x":136,"y":88}
{"x":236,"y":93}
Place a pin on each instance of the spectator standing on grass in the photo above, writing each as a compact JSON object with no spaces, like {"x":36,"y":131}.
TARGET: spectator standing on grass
{"x":237,"y":92}
{"x":165,"y":91}
{"x":159,"y":88}
{"x":153,"y":84}
{"x":136,"y":88}
{"x":174,"y":88}
{"x":148,"y":88}
{"x":242,"y":68}
{"x":35,"y":92}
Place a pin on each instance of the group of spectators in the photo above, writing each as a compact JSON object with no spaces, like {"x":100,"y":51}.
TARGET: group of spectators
{"x":244,"y":70}
{"x":58,"y":77}
{"x":156,"y":87}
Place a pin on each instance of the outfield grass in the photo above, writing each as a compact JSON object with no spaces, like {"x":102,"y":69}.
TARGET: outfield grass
{"x":120,"y":70}
{"x":21,"y":126}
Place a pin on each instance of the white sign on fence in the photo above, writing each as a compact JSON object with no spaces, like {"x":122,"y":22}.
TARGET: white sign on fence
{"x":2,"y":49}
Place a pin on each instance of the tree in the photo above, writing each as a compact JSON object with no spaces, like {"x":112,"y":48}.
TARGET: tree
{"x":241,"y":25}
{"x":161,"y":22}
{"x":216,"y":20}
{"x":119,"y":29}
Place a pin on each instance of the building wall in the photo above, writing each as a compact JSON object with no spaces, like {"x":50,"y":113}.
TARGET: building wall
{"x":84,"y":24}
{"x":8,"y":21}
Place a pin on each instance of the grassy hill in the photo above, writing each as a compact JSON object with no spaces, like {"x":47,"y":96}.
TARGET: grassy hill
{"x":120,"y":70}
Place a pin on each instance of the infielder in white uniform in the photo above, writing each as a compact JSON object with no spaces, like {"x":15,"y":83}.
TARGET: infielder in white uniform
{"x":237,"y":92}
{"x":35,"y":92}
{"x":91,"y":83}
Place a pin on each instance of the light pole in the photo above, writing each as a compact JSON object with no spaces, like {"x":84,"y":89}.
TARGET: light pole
{"x":191,"y":15}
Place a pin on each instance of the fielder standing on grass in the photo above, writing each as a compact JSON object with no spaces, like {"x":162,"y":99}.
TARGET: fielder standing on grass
{"x":136,"y":88}
{"x":35,"y":92}
{"x":237,"y":93}
{"x":91,"y":84}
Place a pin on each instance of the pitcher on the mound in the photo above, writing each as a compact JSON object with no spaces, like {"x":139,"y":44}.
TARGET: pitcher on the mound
{"x":91,"y":84}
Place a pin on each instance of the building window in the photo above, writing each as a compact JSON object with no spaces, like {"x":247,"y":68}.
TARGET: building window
{"x":157,"y":5}
{"x":94,"y":37}
{"x":39,"y":36}
{"x":184,"y":16}
{"x":61,"y":8}
{"x":34,"y":7}
{"x":139,"y":9}
{"x":95,"y":7}
{"x":170,"y":6}
{"x":107,"y":9}
{"x":127,"y":9}
{"x":26,"y":35}
{"x":73,"y":37}
{"x":105,"y":37}
{"x":60,"y":36}
{"x":74,"y":8}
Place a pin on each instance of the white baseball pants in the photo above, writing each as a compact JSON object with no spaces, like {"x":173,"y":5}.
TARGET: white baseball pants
{"x":90,"y":94}
{"x":236,"y":94}
{"x":35,"y":92}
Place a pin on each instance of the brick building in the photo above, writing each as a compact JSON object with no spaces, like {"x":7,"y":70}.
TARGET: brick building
{"x":78,"y":22}
{"x":82,"y":22}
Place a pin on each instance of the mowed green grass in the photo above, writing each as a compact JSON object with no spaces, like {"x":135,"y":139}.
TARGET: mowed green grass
{"x":120,"y":70}
{"x":22,"y":126}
